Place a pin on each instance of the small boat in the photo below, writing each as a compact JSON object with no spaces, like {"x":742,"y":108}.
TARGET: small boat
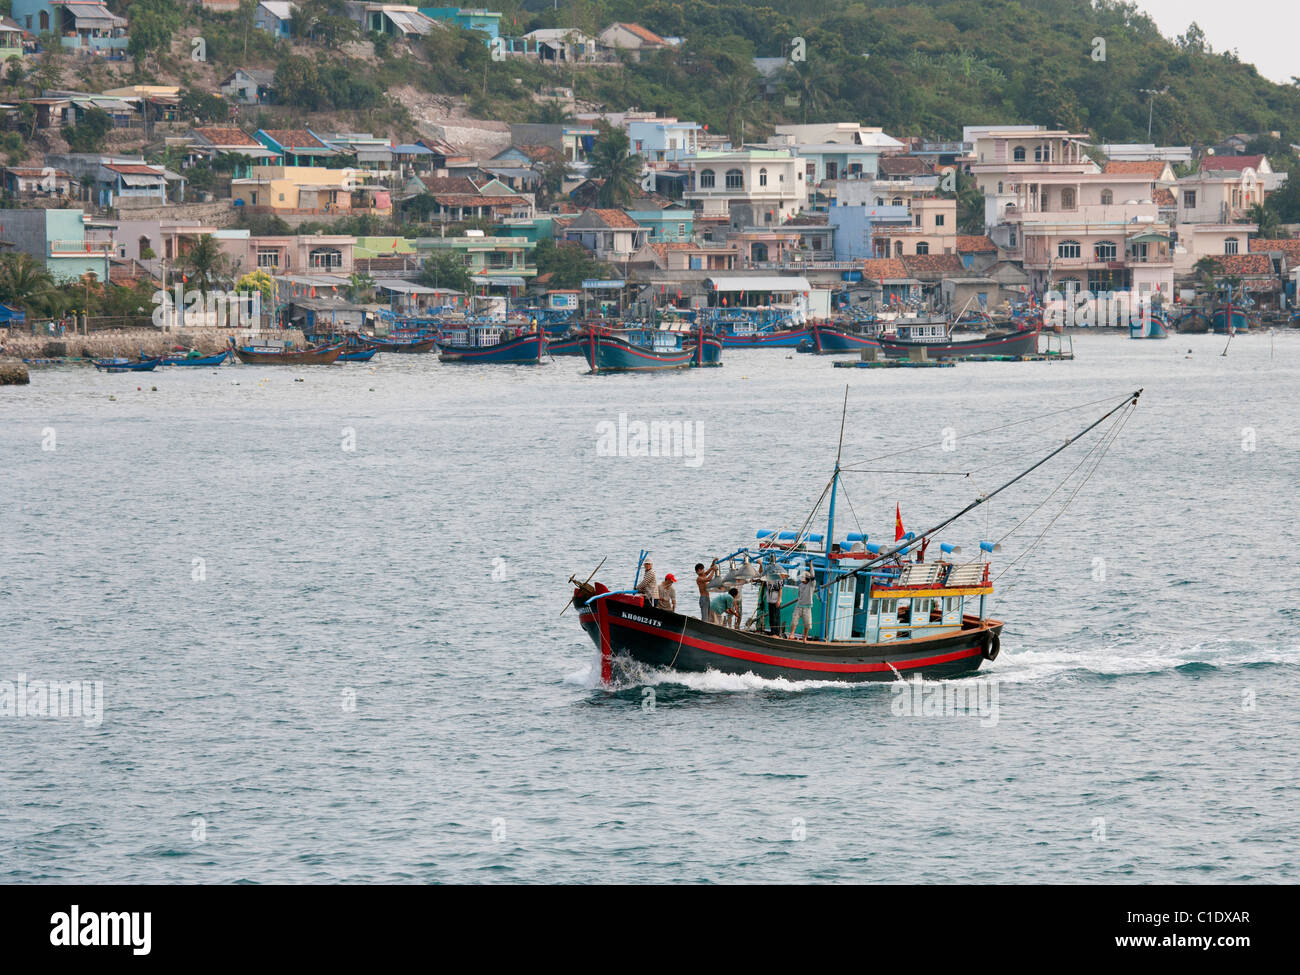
{"x":650,"y":349}
{"x":771,"y":337}
{"x":196,"y":360}
{"x":127,"y":365}
{"x":824,"y":339}
{"x":491,"y":345}
{"x":274,"y":355}
{"x":1148,"y":325}
{"x":1229,"y":319}
{"x":361,"y":354}
{"x":879,"y":612}
{"x":427,"y":343}
{"x":1022,"y":341}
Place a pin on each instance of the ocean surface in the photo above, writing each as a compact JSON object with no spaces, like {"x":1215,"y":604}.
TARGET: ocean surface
{"x":324,"y":608}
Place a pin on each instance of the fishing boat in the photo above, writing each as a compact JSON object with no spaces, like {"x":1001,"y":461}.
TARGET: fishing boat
{"x":360,"y":354}
{"x":1020,"y":341}
{"x":1148,"y":325}
{"x":1229,"y":319}
{"x":427,"y":343}
{"x":193,"y":359}
{"x":491,"y":344}
{"x":650,"y":349}
{"x":879,"y":611}
{"x":284,"y":355}
{"x":769,"y":336}
{"x":127,"y":365}
{"x":826,"y":339}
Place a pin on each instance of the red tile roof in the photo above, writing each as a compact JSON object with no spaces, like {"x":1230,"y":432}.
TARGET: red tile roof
{"x":647,"y":36}
{"x":975,"y":244}
{"x":227,"y":136}
{"x":1243,"y":264}
{"x":1164,"y":197}
{"x":1136,"y":167}
{"x":1232,"y":163}
{"x":133,"y":169}
{"x":1288,"y":246}
{"x":616,"y":218}
{"x":933,"y":264}
{"x":474,"y":199}
{"x":888,"y":268}
{"x":899,"y":165}
{"x":295,"y":139}
{"x":448,"y":184}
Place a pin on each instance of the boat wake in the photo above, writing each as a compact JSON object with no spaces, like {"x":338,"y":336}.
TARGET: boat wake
{"x":1123,"y":660}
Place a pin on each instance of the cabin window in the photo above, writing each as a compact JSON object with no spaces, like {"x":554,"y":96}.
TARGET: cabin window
{"x":1067,"y":249}
{"x":1105,"y":250}
{"x":921,"y":607}
{"x":1107,"y":198}
{"x":889,"y":607}
{"x":1229,"y":245}
{"x":706,"y":179}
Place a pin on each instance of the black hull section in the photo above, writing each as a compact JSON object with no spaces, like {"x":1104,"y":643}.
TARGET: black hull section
{"x":657,"y":638}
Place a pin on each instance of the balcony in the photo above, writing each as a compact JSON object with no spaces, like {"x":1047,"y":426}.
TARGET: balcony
{"x":79,"y":248}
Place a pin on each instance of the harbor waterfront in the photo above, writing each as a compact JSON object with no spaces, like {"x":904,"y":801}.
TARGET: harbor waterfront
{"x":323,"y":606}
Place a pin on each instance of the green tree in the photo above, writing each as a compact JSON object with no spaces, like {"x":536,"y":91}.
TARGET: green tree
{"x":24,"y":281}
{"x":612,"y":161}
{"x":445,"y":270}
{"x":568,"y":263}
{"x":153,"y":24}
{"x":1267,"y":219}
{"x":205,"y":263}
{"x":88,"y":135}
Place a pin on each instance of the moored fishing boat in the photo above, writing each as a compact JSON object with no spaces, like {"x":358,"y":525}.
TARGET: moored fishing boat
{"x":771,"y":336}
{"x":1021,"y":341}
{"x":358,"y":354}
{"x":493,"y":344}
{"x":275,"y":355}
{"x":649,"y":349}
{"x":193,"y":359}
{"x":826,"y":339}
{"x":877,"y":612}
{"x":127,"y":365}
{"x":1148,"y":325}
{"x":427,"y":343}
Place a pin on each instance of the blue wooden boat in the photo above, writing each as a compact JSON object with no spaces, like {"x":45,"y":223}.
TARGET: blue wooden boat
{"x":1148,"y":325}
{"x":362,"y":354}
{"x":650,"y":349}
{"x":196,"y":360}
{"x":127,"y":365}
{"x":826,"y":339}
{"x":1229,"y":319}
{"x":417,"y":344}
{"x":491,"y":345}
{"x":771,"y":336}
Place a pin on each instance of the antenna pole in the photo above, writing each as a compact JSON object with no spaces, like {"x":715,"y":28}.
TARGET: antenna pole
{"x":830,"y":520}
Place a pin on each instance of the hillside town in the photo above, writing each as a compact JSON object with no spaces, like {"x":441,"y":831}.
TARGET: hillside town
{"x":602,"y":212}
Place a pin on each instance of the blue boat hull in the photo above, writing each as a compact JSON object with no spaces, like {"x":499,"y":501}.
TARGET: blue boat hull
{"x":200,"y":360}
{"x":1148,"y":327}
{"x":829,"y":341}
{"x":357,"y":355}
{"x":107,"y":365}
{"x":785,"y":339}
{"x":605,"y":353}
{"x":1230,"y":320}
{"x":527,"y":350}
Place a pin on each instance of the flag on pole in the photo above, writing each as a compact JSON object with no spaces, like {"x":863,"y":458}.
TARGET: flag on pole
{"x":898,"y":523}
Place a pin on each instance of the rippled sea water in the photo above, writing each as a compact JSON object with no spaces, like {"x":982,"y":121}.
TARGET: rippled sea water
{"x":1147,"y":710}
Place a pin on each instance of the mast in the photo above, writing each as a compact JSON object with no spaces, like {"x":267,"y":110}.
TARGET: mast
{"x":830,"y":519}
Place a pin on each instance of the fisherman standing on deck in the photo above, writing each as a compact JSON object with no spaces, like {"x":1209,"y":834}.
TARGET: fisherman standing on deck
{"x":702,"y":580}
{"x":723,"y":607}
{"x":773,"y":588}
{"x":649,"y":584}
{"x":668,"y":593}
{"x":803,"y":608}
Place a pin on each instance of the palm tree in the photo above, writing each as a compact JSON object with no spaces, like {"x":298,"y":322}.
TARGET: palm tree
{"x":25,"y":282}
{"x":1266,"y":219}
{"x":612,"y":161}
{"x":205,"y":263}
{"x":738,"y":104}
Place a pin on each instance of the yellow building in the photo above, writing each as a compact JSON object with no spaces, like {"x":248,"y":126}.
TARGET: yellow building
{"x":309,"y":190}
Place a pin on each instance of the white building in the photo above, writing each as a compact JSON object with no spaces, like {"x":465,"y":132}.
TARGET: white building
{"x":767,"y":183}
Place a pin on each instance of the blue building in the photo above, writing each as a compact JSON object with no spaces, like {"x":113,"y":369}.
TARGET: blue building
{"x":481,"y":20}
{"x":669,"y":225}
{"x":79,"y":24}
{"x":854,"y":225}
{"x":663,"y":139}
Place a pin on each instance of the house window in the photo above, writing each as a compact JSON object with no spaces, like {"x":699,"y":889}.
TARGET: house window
{"x":922,"y":248}
{"x":1067,"y":198}
{"x":898,"y":248}
{"x":1189,"y":199}
{"x":1107,"y":198}
{"x":1105,"y":250}
{"x":681,"y":230}
{"x":735,"y":179}
{"x":1230,"y":245}
{"x":916,"y":221}
{"x":706,"y":179}
{"x":938,"y":219}
{"x":325,"y":257}
{"x":999,"y":187}
{"x":762,"y":177}
{"x":880,"y":201}
{"x":269,"y":259}
{"x":898,"y":201}
{"x":45,"y":20}
{"x":1012,"y":240}
{"x":1068,"y":249}
{"x":1018,"y":154}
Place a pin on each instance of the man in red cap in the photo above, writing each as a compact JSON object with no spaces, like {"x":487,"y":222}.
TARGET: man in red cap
{"x":668,"y":593}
